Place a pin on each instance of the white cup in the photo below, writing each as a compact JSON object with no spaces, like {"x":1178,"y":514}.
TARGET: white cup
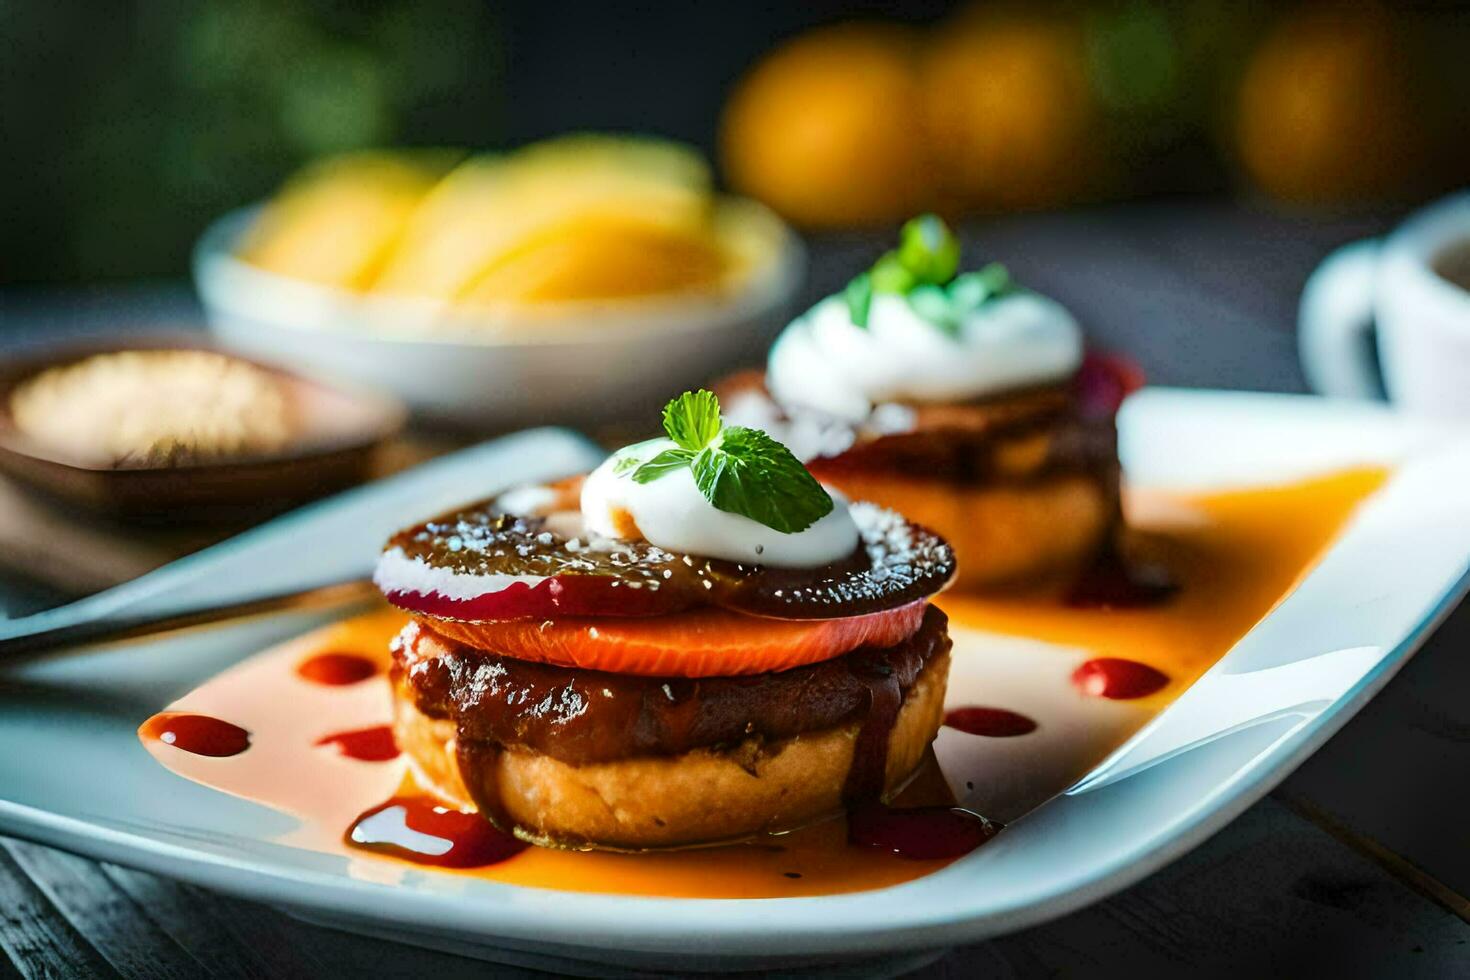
{"x":1397,"y":288}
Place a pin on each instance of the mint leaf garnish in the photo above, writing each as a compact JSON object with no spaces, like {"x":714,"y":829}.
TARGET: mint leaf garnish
{"x":632,"y":457}
{"x":693,"y":419}
{"x":923,"y":270}
{"x":933,"y":304}
{"x":947,"y":307}
{"x":738,"y":470}
{"x":665,"y":462}
{"x":859,"y":297}
{"x":890,"y":275}
{"x":918,"y":270}
{"x":974,"y":288}
{"x":929,"y":250}
{"x":753,"y":475}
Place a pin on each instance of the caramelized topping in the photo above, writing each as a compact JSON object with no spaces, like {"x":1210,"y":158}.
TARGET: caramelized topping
{"x":586,"y":716}
{"x":1013,"y":437}
{"x":481,"y":541}
{"x":535,"y":567}
{"x":626,"y":527}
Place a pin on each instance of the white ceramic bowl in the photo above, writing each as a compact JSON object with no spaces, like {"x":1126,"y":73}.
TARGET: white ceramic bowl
{"x":571,"y":363}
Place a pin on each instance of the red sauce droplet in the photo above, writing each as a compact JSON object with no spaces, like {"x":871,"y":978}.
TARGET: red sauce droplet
{"x":992,"y":722}
{"x":923,"y":833}
{"x":1103,"y":381}
{"x":1115,"y":582}
{"x":337,"y":669}
{"x":373,"y":744}
{"x":199,"y":734}
{"x":425,"y":831}
{"x":1118,"y":679}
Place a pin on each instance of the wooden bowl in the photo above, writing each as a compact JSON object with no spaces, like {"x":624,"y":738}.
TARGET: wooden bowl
{"x":339,"y":430}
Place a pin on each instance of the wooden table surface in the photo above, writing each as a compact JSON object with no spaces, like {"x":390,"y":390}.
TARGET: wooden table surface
{"x":1357,"y":866}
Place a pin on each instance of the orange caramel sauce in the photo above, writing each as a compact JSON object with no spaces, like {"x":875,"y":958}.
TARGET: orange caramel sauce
{"x":1235,"y":555}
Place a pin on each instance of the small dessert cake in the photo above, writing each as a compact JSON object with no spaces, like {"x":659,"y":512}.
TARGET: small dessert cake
{"x":696,"y":643}
{"x":960,"y":400}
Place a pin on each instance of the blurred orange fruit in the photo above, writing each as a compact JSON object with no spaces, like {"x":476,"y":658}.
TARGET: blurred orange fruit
{"x":1010,"y":112}
{"x":1326,"y":110}
{"x":825,"y":130}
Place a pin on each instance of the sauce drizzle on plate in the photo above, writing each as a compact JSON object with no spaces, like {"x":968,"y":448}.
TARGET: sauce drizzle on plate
{"x":337,"y":669}
{"x":424,"y":831}
{"x":373,"y":744}
{"x":199,"y":734}
{"x":1118,"y":679}
{"x":1114,"y":581}
{"x":990,"y":722}
{"x":922,"y":833}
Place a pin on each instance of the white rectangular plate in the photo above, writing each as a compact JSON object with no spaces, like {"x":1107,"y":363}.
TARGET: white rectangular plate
{"x":73,"y":774}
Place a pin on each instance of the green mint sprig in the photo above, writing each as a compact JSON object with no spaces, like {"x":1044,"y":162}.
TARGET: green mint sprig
{"x":928,"y":249}
{"x":923,"y":269}
{"x":947,"y":307}
{"x":738,"y":470}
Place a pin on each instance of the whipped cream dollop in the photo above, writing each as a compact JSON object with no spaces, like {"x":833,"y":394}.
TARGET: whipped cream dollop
{"x":822,"y":360}
{"x":670,"y":512}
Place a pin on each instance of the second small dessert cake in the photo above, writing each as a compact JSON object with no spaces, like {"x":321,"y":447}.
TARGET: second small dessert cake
{"x":961,"y":400}
{"x":696,"y":643}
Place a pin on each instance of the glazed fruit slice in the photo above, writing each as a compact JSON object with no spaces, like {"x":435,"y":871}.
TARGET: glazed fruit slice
{"x":479,"y":565}
{"x":698,"y":643}
{"x":482,"y":565}
{"x":896,"y":563}
{"x":564,"y":595}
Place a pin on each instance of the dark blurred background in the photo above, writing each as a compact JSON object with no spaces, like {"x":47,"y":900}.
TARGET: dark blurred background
{"x":129,"y":125}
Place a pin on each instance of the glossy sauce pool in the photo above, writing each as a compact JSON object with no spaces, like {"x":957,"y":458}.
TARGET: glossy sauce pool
{"x":1085,"y":677}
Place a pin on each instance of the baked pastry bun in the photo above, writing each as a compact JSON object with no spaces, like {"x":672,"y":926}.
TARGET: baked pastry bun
{"x":685,"y":658}
{"x":958,"y":399}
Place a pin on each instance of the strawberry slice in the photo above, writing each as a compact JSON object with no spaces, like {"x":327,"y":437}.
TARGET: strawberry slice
{"x":699,"y":643}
